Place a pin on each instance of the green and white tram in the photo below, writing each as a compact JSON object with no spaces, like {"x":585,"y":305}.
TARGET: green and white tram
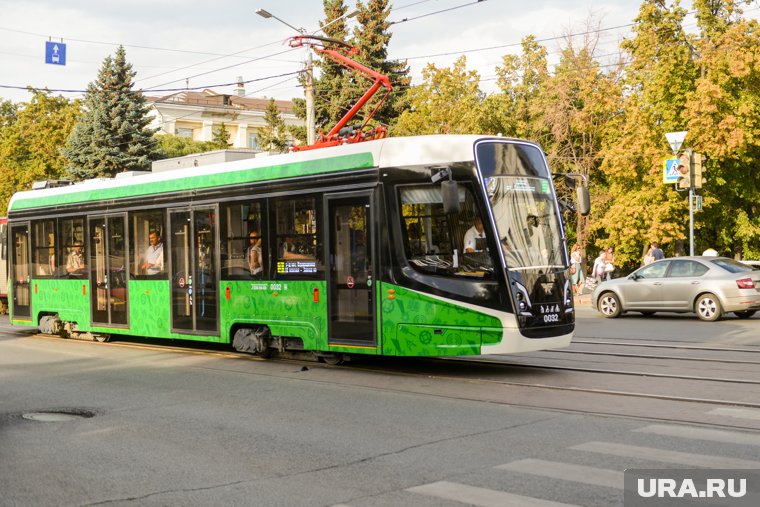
{"x":354,"y":249}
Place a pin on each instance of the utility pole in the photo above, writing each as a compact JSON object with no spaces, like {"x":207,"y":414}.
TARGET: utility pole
{"x":311,"y":135}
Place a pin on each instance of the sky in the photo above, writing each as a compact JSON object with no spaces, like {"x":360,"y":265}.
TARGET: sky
{"x":174,"y":44}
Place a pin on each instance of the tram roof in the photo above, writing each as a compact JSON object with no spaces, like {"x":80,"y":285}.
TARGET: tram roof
{"x":390,"y":152}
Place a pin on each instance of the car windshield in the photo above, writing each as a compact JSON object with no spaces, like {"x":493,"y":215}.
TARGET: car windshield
{"x":731,"y":265}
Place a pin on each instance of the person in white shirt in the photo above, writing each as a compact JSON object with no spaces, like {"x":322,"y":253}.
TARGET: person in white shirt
{"x":472,"y":235}
{"x":254,"y":254}
{"x":153,"y":262}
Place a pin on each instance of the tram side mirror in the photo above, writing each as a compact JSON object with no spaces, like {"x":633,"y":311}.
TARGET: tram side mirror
{"x":584,"y":200}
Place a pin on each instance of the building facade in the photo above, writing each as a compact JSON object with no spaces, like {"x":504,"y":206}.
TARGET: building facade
{"x":196,"y":115}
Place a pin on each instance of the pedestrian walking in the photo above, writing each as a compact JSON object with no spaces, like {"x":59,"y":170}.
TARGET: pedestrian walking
{"x":609,"y":262}
{"x":577,"y":277}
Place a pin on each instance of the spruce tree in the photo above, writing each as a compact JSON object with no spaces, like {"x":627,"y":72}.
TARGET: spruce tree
{"x":372,"y":38}
{"x":273,"y":137}
{"x":221,"y":138}
{"x":112,"y":135}
{"x":329,"y":96}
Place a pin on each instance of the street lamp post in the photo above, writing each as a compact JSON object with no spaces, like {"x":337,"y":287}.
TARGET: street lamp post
{"x":311,"y":135}
{"x":675,"y":139}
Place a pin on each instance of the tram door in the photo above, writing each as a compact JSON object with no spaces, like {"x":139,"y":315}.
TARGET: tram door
{"x":194,"y":273}
{"x":22,"y":295}
{"x":351,"y":304}
{"x":108,"y":275}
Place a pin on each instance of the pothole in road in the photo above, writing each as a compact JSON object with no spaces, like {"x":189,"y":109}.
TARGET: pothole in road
{"x":58,"y":415}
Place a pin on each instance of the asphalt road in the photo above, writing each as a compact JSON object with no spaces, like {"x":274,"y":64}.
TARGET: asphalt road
{"x":165,"y":426}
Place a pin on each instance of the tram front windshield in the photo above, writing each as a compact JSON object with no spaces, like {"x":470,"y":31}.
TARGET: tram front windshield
{"x":526,"y":222}
{"x":523,"y":206}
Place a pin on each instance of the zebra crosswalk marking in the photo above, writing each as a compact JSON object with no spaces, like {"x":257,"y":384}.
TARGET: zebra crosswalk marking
{"x":728,"y":437}
{"x":567,"y":472}
{"x":653,"y":454}
{"x":480,"y":497}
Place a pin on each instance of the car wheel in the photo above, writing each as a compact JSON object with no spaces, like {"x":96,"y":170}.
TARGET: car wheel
{"x":609,"y":305}
{"x":708,"y":307}
{"x":745,"y":314}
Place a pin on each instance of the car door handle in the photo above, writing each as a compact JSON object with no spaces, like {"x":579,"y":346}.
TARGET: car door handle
{"x":695,"y":282}
{"x":657,"y":283}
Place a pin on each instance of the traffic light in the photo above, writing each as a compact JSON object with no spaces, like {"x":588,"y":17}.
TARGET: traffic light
{"x":696,"y":179}
{"x":684,"y":167}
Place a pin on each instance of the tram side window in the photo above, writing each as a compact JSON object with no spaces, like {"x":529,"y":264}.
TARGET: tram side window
{"x":296,"y":239}
{"x":440,"y":243}
{"x":44,"y":263}
{"x":243,"y":249}
{"x":71,"y":241}
{"x":148,"y":260}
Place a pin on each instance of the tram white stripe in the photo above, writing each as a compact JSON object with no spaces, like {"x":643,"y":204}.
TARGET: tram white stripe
{"x":729,"y":437}
{"x":567,"y":472}
{"x":480,"y":496}
{"x":653,"y":454}
{"x":739,"y":413}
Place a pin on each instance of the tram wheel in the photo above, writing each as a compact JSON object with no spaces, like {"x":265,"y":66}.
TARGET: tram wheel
{"x":331,"y":359}
{"x":102,"y":338}
{"x":253,"y":341}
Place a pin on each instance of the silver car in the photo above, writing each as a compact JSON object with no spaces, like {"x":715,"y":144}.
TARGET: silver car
{"x":708,"y":286}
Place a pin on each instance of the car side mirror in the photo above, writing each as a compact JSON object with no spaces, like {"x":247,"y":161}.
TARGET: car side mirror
{"x":633,"y":276}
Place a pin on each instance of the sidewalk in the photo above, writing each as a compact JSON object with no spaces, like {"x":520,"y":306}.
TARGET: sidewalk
{"x":583,"y":299}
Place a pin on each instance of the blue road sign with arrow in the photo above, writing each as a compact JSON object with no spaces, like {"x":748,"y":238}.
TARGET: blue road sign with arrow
{"x":55,"y":53}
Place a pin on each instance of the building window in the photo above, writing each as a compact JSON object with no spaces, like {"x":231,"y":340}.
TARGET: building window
{"x":253,"y":141}
{"x":185,"y":132}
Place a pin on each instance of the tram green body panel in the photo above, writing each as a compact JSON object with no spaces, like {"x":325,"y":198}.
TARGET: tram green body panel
{"x":286,"y":307}
{"x":414,"y":324}
{"x":70,"y":299}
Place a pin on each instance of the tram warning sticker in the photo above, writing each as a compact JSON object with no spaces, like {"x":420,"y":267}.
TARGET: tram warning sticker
{"x":181,"y":282}
{"x":350,"y":282}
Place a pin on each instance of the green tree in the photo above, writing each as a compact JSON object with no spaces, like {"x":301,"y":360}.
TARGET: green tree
{"x":448,"y":101}
{"x":273,"y":136}
{"x":331,"y":88}
{"x":170,"y":146}
{"x":31,"y":137}
{"x":112,"y":135}
{"x":220,"y":138}
{"x":631,"y":184}
{"x":569,"y":112}
{"x":722,"y":114}
{"x":521,"y":78}
{"x":372,"y":38}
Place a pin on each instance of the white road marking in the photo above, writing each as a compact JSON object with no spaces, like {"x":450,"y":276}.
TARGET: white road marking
{"x":728,"y":437}
{"x":653,"y":454}
{"x":739,"y":413}
{"x":480,"y":496}
{"x":567,"y":472}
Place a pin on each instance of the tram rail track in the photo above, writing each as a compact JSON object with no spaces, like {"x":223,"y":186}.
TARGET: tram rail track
{"x":752,"y":350}
{"x":423,"y":369}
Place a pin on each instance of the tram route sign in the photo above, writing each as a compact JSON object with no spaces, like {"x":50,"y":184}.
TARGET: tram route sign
{"x":55,"y":53}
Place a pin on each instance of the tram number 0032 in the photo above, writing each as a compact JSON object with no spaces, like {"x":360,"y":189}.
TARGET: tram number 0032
{"x":550,"y":313}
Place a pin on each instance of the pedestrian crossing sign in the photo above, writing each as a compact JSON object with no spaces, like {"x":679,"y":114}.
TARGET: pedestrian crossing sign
{"x":670,"y":173}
